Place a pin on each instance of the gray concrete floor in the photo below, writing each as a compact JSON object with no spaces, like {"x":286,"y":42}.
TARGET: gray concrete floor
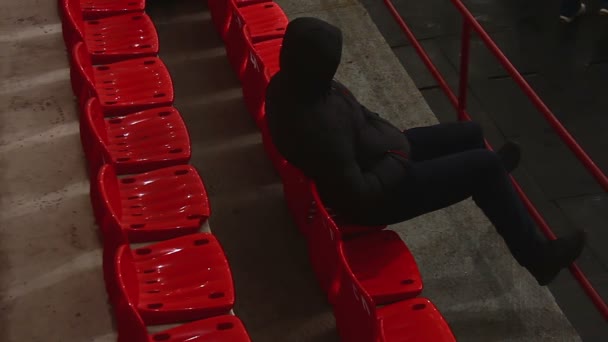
{"x":51,"y":285}
{"x":50,"y":278}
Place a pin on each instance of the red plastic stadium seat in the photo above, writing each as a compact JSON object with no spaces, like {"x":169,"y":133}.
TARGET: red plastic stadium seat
{"x":152,"y":206}
{"x":221,"y":13}
{"x":271,"y":151}
{"x":110,"y":39}
{"x":258,"y":22}
{"x":138,"y":142}
{"x":359,"y":320}
{"x":177,"y":280}
{"x":122,"y":87}
{"x":380,"y":260}
{"x":225,"y":328}
{"x":94,"y":9}
{"x":262,"y":64}
{"x":298,"y":197}
{"x":391,"y":274}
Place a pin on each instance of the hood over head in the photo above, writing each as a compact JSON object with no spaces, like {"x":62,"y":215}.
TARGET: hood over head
{"x":311,"y":53}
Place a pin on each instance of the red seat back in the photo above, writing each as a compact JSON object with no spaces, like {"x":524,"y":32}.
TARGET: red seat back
{"x":91,"y":137}
{"x":271,"y":151}
{"x":297,"y":195}
{"x":94,"y":137}
{"x":95,"y":120}
{"x":81,"y":73}
{"x":258,"y":23}
{"x":354,"y":309}
{"x":131,"y":327}
{"x":110,"y":201}
{"x":254,"y":83}
{"x":256,"y":76}
{"x":262,"y":21}
{"x":323,"y":237}
{"x":127,"y":274}
{"x":73,"y":22}
{"x":221,"y":12}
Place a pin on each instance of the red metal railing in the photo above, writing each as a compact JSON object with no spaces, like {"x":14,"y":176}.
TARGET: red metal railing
{"x":459,"y":102}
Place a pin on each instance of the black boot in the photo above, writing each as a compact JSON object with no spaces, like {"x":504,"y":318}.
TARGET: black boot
{"x":556,"y":255}
{"x":510,"y":154}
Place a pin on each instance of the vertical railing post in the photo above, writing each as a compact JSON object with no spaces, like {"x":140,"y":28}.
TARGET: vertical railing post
{"x":465,"y":57}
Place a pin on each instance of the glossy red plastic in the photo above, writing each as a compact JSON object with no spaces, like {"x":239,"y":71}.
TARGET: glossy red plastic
{"x":152,"y":206}
{"x":384,"y":265}
{"x":221,"y":13}
{"x":417,"y":318}
{"x":379,"y":259}
{"x":177,"y":280}
{"x":95,"y":9}
{"x":110,"y":39}
{"x":225,"y":328}
{"x":122,"y":87}
{"x":358,"y":318}
{"x":271,"y":151}
{"x":136,"y":143}
{"x":262,"y":64}
{"x":298,"y":197}
{"x":258,"y":22}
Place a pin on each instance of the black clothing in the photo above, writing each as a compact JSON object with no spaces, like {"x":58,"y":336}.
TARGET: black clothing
{"x":320,"y":128}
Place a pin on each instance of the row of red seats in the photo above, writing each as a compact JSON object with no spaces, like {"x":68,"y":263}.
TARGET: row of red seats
{"x":137,"y":149}
{"x":368,"y":273}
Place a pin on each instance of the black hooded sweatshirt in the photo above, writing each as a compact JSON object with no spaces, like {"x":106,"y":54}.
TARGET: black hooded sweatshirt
{"x":320,"y":128}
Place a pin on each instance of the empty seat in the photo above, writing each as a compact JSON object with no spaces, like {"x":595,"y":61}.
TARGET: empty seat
{"x":221,"y":12}
{"x":262,"y":64}
{"x":122,"y":87}
{"x":152,"y":206}
{"x":379,"y":259}
{"x":358,"y":318}
{"x":94,"y":9}
{"x":225,"y":328}
{"x":110,"y":39}
{"x":177,"y":280}
{"x":259,"y":22}
{"x":384,"y":266}
{"x":139,"y":142}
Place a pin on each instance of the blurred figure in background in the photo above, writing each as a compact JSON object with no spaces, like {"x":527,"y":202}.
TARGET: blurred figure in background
{"x":573,"y":8}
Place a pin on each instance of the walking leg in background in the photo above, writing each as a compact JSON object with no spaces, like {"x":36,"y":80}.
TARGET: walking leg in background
{"x":604,"y":7}
{"x":570,"y":9}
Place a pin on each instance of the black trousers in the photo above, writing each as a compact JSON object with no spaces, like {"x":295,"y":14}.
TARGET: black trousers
{"x":448,"y":164}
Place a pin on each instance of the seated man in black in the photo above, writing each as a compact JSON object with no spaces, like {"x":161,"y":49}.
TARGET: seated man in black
{"x":371,"y":173}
